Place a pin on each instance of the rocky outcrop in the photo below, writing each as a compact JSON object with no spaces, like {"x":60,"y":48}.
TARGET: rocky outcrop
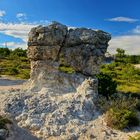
{"x":56,"y":50}
{"x":60,"y":97}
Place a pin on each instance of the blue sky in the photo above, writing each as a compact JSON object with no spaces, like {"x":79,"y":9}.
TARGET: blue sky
{"x":121,"y":18}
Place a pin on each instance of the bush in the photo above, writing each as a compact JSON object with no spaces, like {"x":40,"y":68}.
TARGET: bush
{"x":13,"y":71}
{"x":4,"y":52}
{"x":24,"y":74}
{"x":121,"y":118}
{"x":106,"y":85}
{"x":120,"y":111}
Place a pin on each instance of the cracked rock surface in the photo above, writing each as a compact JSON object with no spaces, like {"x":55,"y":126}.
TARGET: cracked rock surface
{"x":59,"y":100}
{"x":56,"y":48}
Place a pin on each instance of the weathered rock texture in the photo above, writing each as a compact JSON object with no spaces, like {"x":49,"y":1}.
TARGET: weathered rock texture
{"x":56,"y":48}
{"x":60,"y":102}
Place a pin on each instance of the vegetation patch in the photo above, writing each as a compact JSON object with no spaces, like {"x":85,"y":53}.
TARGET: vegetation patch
{"x":136,"y":137}
{"x":14,"y":63}
{"x":121,"y":118}
{"x":66,"y":69}
{"x":107,"y":86}
{"x":123,"y":71}
{"x":120,"y":111}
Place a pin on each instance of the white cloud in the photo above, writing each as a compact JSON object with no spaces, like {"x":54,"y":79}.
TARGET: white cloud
{"x":13,"y":45}
{"x":2,"y":13}
{"x":17,"y":30}
{"x":21,"y":16}
{"x":123,"y":19}
{"x":136,"y":30}
{"x":130,"y":43}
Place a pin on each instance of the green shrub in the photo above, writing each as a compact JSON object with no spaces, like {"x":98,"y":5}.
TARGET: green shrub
{"x":118,"y":101}
{"x":4,"y":52}
{"x":125,"y":74}
{"x":13,"y":71}
{"x":120,"y":111}
{"x":24,"y":74}
{"x":106,"y":85}
{"x":121,"y":118}
{"x":66,"y":69}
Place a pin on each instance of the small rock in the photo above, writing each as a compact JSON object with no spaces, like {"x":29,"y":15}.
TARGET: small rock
{"x":3,"y":132}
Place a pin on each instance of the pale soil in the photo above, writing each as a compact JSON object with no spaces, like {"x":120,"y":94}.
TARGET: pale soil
{"x":10,"y":83}
{"x":137,"y":66}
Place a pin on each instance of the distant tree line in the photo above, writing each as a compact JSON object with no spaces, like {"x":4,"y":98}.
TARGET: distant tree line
{"x":18,"y":52}
{"x":120,"y":56}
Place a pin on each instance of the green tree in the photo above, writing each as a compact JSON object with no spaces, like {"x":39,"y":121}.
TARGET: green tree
{"x":120,"y":55}
{"x":106,"y":85}
{"x":4,"y":52}
{"x":19,"y":52}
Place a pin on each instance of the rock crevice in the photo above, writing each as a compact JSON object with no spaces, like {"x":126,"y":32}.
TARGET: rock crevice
{"x":65,"y":51}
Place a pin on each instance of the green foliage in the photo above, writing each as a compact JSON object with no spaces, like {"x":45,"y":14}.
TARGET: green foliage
{"x":121,"y":118}
{"x":4,"y":52}
{"x":120,"y":55}
{"x":24,"y":74}
{"x":106,"y":85}
{"x":16,"y":64}
{"x":13,"y":71}
{"x":136,"y":137}
{"x":133,"y":59}
{"x":125,"y":74}
{"x":19,"y":52}
{"x":120,"y":111}
{"x":118,"y":101}
{"x":66,"y":69}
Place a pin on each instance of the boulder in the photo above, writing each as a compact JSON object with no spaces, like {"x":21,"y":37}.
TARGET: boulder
{"x":57,"y":50}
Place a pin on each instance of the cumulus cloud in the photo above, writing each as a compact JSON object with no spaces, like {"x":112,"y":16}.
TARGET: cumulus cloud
{"x":19,"y":30}
{"x":130,"y":43}
{"x":16,"y":30}
{"x":21,"y":16}
{"x":13,"y":45}
{"x":123,"y":19}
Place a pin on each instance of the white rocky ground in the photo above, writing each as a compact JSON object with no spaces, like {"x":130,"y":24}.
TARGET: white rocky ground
{"x":48,"y":115}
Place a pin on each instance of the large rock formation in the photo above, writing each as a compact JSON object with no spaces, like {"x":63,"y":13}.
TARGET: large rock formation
{"x":61,"y":95}
{"x":64,"y":57}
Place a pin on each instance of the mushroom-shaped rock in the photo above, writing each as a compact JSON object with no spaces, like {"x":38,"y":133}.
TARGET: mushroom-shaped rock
{"x":57,"y":50}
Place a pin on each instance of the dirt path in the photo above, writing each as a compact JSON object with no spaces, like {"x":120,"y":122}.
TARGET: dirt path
{"x":8,"y":83}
